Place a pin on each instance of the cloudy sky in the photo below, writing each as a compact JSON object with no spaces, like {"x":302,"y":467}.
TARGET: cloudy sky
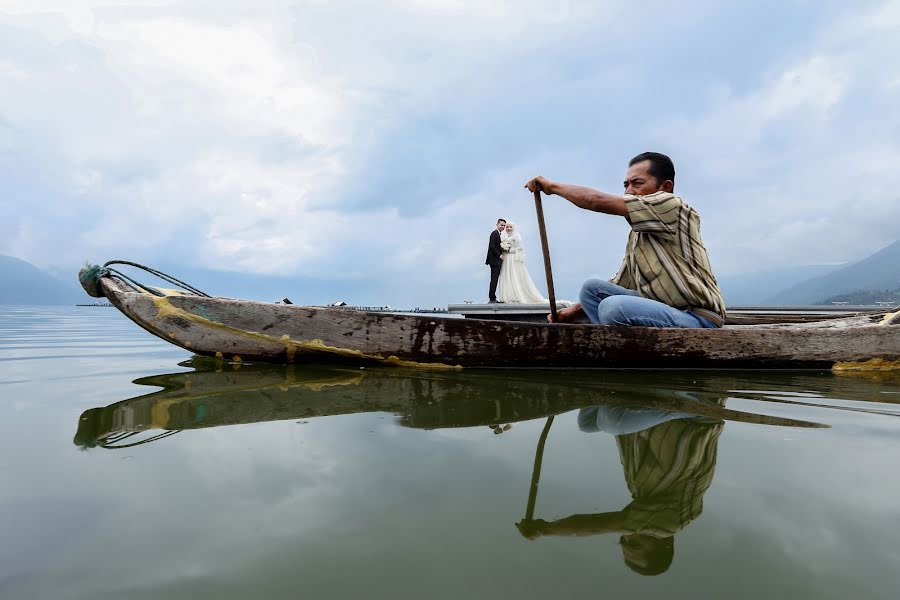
{"x":373,"y":144}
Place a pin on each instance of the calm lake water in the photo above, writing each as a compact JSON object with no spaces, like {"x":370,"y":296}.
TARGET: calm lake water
{"x":320,"y":482}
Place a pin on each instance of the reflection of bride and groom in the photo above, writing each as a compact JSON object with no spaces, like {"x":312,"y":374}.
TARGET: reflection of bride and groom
{"x":668,"y":459}
{"x":510,"y":281}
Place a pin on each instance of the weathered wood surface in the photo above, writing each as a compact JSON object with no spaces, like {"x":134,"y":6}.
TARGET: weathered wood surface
{"x":278,"y":333}
{"x":220,"y":394}
{"x":734,"y":318}
{"x":537,"y":313}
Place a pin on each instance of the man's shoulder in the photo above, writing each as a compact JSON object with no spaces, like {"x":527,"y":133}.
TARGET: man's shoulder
{"x":657,"y":202}
{"x":655,"y":198}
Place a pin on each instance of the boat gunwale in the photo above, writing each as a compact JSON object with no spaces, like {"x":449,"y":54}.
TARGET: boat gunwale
{"x":125,"y":299}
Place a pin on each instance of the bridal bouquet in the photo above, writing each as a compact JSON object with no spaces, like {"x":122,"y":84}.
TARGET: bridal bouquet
{"x":504,"y":246}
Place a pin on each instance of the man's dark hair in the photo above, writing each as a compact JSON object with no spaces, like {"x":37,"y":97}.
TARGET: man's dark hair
{"x":661,"y":166}
{"x":658,"y":558}
{"x":499,"y":220}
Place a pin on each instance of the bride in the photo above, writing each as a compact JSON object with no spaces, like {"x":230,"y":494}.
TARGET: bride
{"x":515,"y":283}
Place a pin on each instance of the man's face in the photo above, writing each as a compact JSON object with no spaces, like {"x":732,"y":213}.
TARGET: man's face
{"x":639,"y":181}
{"x":635,"y":548}
{"x":501,"y":225}
{"x":646,"y":554}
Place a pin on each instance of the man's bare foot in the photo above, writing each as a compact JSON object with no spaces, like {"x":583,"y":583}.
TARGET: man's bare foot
{"x":567,"y":315}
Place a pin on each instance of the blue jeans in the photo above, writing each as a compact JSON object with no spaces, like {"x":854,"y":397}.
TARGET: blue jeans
{"x":606,"y":303}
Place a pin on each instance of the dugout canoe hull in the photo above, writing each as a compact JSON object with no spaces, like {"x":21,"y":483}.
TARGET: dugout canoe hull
{"x":256,"y":331}
{"x":213,"y":394}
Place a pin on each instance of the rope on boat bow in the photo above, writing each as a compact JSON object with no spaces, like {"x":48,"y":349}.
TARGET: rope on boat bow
{"x":112,"y":442}
{"x":90,"y":276}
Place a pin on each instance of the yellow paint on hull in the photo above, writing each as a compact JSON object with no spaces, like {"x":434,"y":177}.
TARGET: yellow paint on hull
{"x":320,"y":346}
{"x":159,"y":412}
{"x":889,"y":317}
{"x":874,"y":364}
{"x":165,"y":310}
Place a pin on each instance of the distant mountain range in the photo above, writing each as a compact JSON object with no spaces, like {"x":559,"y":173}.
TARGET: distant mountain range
{"x":23,"y":283}
{"x":815,"y":284}
{"x":758,"y":288}
{"x":880,"y":271}
{"x":867,"y":297}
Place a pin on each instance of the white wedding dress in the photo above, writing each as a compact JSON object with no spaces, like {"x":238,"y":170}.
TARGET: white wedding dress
{"x":515,"y":285}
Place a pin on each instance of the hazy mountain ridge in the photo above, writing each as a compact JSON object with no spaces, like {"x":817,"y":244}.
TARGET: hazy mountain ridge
{"x":24,"y":283}
{"x":757,"y":288}
{"x":866,"y":297}
{"x":880,"y":271}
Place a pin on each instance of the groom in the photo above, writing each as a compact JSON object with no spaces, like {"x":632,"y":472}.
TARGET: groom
{"x":495,"y":259}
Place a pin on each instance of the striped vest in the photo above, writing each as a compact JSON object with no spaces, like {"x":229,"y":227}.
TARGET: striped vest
{"x":665,"y":259}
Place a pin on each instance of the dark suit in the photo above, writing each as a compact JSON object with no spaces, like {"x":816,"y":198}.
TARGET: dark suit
{"x":495,"y":261}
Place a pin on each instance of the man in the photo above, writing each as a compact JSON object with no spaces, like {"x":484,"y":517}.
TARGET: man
{"x":495,"y":259}
{"x":665,"y":279}
{"x":668,"y":460}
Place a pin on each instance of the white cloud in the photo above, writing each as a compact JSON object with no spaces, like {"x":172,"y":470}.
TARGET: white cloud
{"x":815,"y":86}
{"x":797,"y":170}
{"x":292,"y":139}
{"x":189,"y":105}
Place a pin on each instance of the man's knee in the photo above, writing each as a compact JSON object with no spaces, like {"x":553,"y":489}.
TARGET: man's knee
{"x":597,"y":289}
{"x":614,"y":311}
{"x":640,"y":312}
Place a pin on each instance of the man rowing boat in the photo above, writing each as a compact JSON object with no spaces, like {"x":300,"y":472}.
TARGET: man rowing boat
{"x":668,"y":459}
{"x":665,"y":279}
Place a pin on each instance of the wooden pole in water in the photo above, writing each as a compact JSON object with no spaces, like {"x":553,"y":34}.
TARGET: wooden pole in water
{"x":536,"y":473}
{"x":546,"y":248}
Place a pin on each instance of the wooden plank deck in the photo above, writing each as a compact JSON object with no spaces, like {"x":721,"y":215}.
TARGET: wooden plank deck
{"x":737,"y":315}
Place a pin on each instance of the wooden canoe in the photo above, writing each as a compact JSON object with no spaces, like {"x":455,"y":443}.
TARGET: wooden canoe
{"x":257,"y":331}
{"x":216,"y":394}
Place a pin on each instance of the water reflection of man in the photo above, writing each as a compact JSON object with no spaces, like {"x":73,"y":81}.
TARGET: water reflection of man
{"x":668,"y":460}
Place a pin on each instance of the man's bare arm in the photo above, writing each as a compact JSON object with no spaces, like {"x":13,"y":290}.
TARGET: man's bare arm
{"x":581,"y":196}
{"x":609,"y":522}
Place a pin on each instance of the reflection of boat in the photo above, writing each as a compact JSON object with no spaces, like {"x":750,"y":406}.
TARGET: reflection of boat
{"x":289,"y":333}
{"x":216,"y":394}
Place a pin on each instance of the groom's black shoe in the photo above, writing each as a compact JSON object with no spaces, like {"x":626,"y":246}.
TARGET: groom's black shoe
{"x":493,"y":302}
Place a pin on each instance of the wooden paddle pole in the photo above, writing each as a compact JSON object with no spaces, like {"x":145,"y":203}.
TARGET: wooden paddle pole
{"x":546,"y":248}
{"x":536,"y":472}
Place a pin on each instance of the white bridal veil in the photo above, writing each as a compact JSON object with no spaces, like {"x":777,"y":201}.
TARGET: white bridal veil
{"x":517,"y":247}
